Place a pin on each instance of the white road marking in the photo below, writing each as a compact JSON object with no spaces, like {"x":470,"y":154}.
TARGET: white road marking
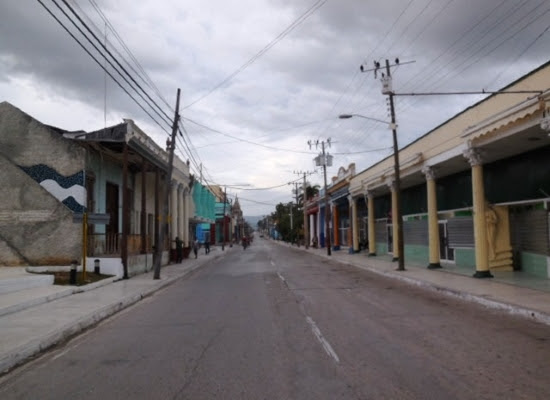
{"x":63,"y":353}
{"x":272,"y":263}
{"x":282,"y":278}
{"x":326,"y":345}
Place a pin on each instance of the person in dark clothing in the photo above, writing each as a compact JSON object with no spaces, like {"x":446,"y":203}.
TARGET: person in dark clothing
{"x":179,"y":250}
{"x":207,"y":247}
{"x":196,"y":247}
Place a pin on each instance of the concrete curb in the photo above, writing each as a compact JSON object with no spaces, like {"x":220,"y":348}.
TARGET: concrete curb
{"x":25,"y":352}
{"x":495,"y":304}
{"x":35,"y":302}
{"x":70,"y":290}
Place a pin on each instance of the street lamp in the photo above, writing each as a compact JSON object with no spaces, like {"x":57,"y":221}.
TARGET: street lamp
{"x":348,"y":116}
{"x":398,"y":219}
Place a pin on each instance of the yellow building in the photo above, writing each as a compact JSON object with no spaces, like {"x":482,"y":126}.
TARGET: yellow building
{"x":475,"y":191}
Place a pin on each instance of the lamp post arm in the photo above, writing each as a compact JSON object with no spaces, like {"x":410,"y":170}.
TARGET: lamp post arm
{"x":347,"y":116}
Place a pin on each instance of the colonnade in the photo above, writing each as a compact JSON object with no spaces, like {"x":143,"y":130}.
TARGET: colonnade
{"x":479,"y":204}
{"x":179,"y":212}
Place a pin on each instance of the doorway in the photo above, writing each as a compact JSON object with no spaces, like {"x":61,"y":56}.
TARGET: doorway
{"x":111,"y":207}
{"x":446,"y":253}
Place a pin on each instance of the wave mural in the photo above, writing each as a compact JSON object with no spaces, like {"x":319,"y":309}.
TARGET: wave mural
{"x":69,"y":190}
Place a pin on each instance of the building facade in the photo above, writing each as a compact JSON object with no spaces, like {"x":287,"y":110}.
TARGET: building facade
{"x":475,"y":191}
{"x":87,"y":196}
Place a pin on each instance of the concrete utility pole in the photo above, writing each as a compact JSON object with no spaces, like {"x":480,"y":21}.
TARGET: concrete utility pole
{"x":291,"y":219}
{"x":166,"y":190}
{"x":327,"y":210}
{"x":306,"y":225}
{"x":398,"y":219}
{"x":323,"y":160}
{"x":223,"y":228}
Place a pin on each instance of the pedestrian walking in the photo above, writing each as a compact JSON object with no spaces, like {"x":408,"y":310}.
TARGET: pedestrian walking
{"x":207,"y":246}
{"x":196,"y":247}
{"x":179,"y":250}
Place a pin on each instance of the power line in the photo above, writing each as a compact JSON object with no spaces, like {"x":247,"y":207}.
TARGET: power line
{"x":143,"y":76}
{"x":520,"y":55}
{"x":99,"y":63}
{"x":245,"y":140}
{"x":265,"y":49}
{"x":166,"y":117}
{"x":184,"y":147}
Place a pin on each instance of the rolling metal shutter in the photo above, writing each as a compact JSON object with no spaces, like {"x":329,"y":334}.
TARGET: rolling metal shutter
{"x":380,"y":232}
{"x":529,"y":231}
{"x":461,"y":232}
{"x":416,"y":232}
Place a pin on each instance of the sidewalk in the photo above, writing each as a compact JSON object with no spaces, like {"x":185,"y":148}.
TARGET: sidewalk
{"x":36,"y":319}
{"x":513,"y":292}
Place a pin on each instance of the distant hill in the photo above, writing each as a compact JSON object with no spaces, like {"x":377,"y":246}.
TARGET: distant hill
{"x":253,"y":220}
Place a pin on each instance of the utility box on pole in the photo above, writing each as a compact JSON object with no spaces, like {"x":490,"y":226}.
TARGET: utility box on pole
{"x":386,"y":84}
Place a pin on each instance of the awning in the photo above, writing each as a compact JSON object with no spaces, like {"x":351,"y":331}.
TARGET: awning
{"x":522,"y":110}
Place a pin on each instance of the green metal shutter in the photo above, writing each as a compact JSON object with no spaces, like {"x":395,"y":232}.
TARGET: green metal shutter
{"x":529,"y":231}
{"x":380,"y":232}
{"x":461,"y":232}
{"x":416,"y":232}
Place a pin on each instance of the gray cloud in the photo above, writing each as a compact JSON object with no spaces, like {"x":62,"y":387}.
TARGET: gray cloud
{"x":290,"y":95}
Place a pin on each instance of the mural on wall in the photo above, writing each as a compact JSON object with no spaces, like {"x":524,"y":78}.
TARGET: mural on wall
{"x":69,"y":190}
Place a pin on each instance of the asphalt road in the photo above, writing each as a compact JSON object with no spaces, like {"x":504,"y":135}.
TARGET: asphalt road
{"x":269,"y":322}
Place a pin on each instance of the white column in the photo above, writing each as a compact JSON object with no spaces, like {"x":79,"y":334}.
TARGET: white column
{"x":180,"y":211}
{"x":173,"y":211}
{"x":433,"y":222}
{"x":354,"y":225}
{"x":480,"y":229}
{"x":371,"y":223}
{"x":186,"y":200}
{"x":311,"y":218}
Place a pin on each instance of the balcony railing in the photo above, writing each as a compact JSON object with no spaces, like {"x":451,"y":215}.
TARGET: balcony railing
{"x":109,"y":244}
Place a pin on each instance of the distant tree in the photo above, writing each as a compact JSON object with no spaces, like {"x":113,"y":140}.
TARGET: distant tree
{"x":311,"y":191}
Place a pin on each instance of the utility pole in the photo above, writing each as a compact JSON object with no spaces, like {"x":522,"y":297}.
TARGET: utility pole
{"x":224,"y":201}
{"x":323,"y":160}
{"x":306,"y":225}
{"x":166,"y":190}
{"x":291,"y":220}
{"x":297,"y":239}
{"x":398,"y":218}
{"x":295,"y":192}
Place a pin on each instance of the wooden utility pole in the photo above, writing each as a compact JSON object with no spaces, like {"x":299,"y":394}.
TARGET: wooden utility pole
{"x":166,"y":190}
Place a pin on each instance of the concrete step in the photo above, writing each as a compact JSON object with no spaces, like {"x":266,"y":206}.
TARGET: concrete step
{"x":22,"y":299}
{"x":13,"y":279}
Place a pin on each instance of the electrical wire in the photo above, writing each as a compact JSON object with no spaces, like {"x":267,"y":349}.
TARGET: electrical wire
{"x":99,"y":63}
{"x":265,"y":49}
{"x":143,"y":76}
{"x":159,"y":111}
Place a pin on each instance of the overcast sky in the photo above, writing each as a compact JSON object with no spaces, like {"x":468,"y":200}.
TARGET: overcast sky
{"x":261,"y":78}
